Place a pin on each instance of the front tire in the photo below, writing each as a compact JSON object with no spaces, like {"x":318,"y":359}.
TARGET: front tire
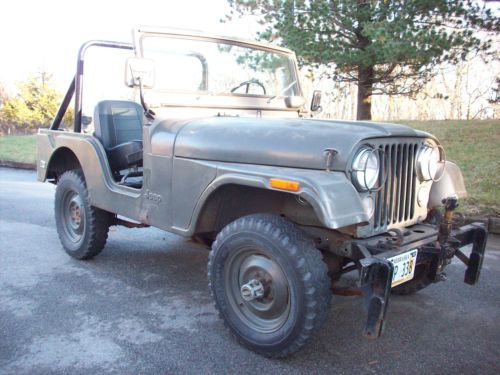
{"x":269,"y":283}
{"x":82,"y":228}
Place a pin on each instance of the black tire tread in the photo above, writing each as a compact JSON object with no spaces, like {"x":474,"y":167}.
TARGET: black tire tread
{"x":308,"y":261}
{"x":98,"y":220}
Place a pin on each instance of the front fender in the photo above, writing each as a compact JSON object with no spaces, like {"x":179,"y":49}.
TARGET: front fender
{"x":332,"y":196}
{"x":450,"y":184}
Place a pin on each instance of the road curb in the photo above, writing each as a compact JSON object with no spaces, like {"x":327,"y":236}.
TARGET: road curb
{"x":17,"y":165}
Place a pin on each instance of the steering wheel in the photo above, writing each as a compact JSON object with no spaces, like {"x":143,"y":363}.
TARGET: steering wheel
{"x":248,"y":84}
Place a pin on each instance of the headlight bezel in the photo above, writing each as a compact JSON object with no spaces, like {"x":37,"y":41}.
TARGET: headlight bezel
{"x":359,"y":166}
{"x":428,"y":167}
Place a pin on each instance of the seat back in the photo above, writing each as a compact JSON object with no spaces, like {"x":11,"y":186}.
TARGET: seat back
{"x":117,"y":122}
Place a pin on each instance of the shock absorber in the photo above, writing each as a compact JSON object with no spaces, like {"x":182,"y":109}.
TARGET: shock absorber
{"x":450,"y":204}
{"x":446,"y":243}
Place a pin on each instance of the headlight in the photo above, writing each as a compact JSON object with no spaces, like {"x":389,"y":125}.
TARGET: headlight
{"x":428,"y":162}
{"x":365,"y":169}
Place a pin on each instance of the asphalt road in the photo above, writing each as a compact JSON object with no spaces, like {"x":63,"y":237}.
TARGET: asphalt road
{"x":142,"y":307}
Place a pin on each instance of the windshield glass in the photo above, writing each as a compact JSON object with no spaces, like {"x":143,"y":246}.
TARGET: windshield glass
{"x":211,"y":67}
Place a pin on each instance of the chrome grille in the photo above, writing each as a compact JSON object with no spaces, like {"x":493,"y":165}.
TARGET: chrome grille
{"x":395,"y":201}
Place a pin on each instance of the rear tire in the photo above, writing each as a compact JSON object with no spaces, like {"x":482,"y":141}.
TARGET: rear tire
{"x":82,"y":228}
{"x":269,"y":256}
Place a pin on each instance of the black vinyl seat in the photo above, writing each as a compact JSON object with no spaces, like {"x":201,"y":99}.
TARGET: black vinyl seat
{"x":118,"y":125}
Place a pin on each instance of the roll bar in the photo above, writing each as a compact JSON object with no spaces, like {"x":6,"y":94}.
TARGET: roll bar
{"x":76,"y":86}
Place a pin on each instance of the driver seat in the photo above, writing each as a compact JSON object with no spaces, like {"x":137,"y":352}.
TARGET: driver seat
{"x":118,"y":125}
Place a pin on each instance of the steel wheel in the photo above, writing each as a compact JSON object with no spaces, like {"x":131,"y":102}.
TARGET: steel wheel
{"x":259,"y":292}
{"x":73,"y":216}
{"x":269,"y":283}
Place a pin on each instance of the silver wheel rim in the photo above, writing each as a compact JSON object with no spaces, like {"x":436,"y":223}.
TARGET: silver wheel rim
{"x":257,"y":289}
{"x":73,"y":216}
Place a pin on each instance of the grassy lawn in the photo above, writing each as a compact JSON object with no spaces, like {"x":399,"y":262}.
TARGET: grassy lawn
{"x":18,"y":148}
{"x":473,"y":145}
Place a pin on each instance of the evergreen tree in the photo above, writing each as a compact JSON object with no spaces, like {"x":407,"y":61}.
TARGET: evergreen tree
{"x":384,"y":46}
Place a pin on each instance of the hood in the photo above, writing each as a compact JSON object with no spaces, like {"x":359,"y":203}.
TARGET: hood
{"x":298,"y":143}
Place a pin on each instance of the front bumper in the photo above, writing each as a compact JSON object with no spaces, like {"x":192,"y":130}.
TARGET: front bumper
{"x":377,"y":271}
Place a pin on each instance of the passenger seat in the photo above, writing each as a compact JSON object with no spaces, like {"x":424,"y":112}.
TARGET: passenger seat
{"x":118,"y":125}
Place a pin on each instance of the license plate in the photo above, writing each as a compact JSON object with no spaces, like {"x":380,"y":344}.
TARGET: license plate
{"x":404,"y":267}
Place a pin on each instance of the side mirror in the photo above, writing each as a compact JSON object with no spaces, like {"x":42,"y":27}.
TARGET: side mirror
{"x":316,"y":101}
{"x":294,"y":101}
{"x":139,"y":71}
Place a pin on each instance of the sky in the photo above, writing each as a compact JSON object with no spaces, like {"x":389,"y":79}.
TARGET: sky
{"x":46,"y":34}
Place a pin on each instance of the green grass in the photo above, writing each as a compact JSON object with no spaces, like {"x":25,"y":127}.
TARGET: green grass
{"x":473,"y":145}
{"x":18,"y":148}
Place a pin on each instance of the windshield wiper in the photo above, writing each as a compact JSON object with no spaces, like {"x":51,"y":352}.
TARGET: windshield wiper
{"x":281,"y":92}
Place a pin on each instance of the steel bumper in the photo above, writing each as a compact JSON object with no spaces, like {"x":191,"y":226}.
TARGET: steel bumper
{"x":377,"y":271}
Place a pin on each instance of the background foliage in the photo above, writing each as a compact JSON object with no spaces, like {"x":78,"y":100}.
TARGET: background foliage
{"x":34,"y":105}
{"x":384,"y":46}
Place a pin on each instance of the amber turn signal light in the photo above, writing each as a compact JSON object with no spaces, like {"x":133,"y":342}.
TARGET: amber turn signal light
{"x":276,"y":183}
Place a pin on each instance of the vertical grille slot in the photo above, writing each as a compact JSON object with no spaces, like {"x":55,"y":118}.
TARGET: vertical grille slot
{"x":404,"y":179}
{"x":413,"y":181}
{"x":395,"y":201}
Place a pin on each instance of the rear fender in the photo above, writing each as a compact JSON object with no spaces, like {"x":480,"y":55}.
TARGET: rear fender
{"x":103,"y":191}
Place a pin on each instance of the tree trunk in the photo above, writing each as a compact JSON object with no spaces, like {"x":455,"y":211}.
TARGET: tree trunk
{"x":365,"y":89}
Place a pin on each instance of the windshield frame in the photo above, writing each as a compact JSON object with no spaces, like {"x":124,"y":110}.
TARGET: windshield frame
{"x":144,"y":32}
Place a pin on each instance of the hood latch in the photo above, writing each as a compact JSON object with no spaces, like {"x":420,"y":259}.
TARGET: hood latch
{"x":330,"y":154}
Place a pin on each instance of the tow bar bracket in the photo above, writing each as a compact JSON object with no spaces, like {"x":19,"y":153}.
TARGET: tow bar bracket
{"x":476,"y":234}
{"x":376,"y":279}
